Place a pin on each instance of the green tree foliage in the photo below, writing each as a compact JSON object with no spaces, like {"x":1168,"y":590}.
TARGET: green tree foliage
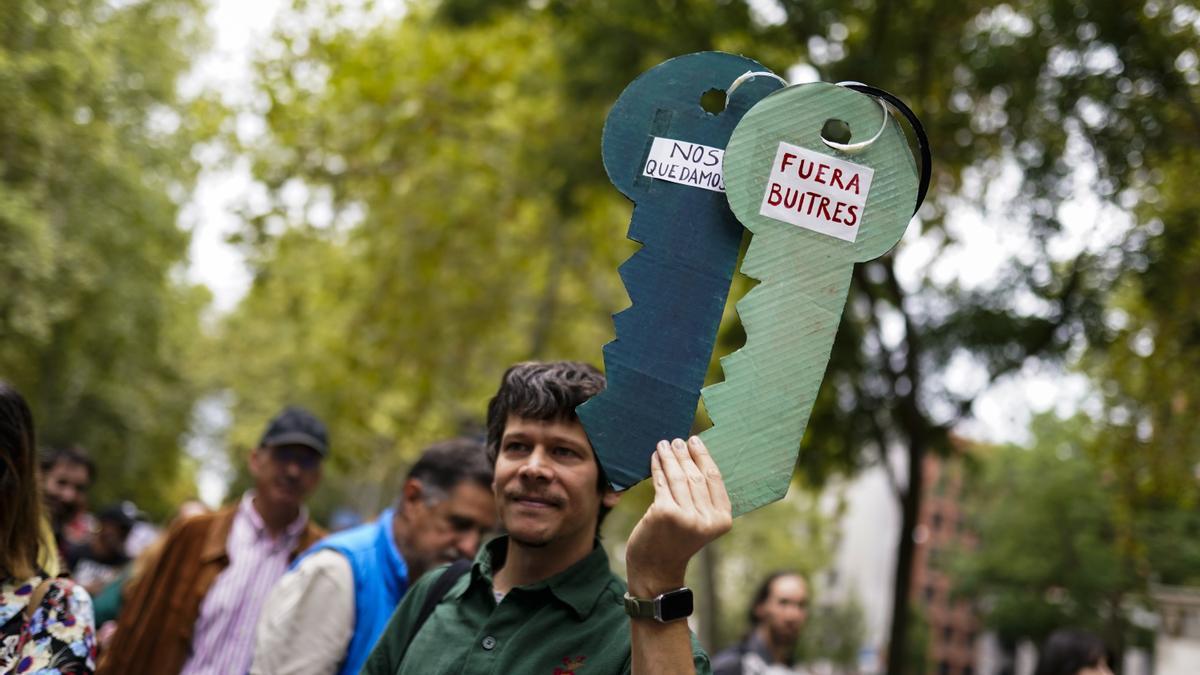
{"x":1047,"y":553}
{"x":420,"y":234}
{"x":833,"y":634}
{"x":95,"y":327}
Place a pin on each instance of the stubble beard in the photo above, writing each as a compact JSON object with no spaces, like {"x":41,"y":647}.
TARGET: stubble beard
{"x":529,"y":543}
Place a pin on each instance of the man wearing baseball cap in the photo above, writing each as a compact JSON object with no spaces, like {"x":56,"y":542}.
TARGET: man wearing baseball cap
{"x":194,"y":607}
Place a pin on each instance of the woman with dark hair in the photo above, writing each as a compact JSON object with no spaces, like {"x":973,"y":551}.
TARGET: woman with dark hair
{"x":778,"y":613}
{"x":46,"y":623}
{"x":1073,"y":652}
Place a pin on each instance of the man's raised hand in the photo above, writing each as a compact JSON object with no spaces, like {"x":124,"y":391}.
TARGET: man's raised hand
{"x":690,"y":509}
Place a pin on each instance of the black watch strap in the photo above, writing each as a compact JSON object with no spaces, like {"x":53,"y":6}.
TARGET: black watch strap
{"x":669,"y":606}
{"x":639,"y":608}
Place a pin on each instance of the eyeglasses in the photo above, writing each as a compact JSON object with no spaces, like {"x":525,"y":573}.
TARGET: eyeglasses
{"x":305,"y":458}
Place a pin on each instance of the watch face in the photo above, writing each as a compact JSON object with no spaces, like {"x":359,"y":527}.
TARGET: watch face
{"x":676,"y":604}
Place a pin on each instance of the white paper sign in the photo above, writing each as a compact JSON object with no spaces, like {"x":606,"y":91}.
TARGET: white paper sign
{"x":817,"y":192}
{"x":686,"y":163}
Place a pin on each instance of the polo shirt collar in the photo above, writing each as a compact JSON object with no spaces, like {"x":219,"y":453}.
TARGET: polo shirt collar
{"x":579,"y":586}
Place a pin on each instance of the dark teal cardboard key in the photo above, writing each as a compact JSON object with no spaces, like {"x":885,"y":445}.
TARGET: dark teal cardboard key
{"x":663,"y":151}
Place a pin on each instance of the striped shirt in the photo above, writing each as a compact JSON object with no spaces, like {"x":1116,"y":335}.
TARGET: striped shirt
{"x":223,"y":641}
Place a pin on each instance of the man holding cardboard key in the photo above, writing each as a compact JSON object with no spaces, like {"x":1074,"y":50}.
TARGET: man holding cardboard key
{"x":542,"y":599}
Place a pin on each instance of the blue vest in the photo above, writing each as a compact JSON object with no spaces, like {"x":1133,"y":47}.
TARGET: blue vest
{"x":380,"y":580}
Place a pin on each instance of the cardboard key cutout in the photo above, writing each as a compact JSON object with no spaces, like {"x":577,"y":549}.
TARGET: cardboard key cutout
{"x":663,"y":151}
{"x":814,"y":208}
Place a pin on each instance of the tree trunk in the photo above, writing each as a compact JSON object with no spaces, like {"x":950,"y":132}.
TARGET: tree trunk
{"x":709,"y":604}
{"x":910,"y":507}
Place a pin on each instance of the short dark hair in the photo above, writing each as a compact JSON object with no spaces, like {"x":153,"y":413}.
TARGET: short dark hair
{"x":544,"y":391}
{"x":764,"y":591}
{"x":72,"y":454}
{"x":444,"y":465}
{"x":1068,"y":651}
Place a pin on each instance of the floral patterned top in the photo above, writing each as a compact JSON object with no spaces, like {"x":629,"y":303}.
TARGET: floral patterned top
{"x":60,"y":636}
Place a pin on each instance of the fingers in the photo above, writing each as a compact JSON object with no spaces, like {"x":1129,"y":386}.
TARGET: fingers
{"x":697,"y":483}
{"x":712,"y":474}
{"x":676,"y":478}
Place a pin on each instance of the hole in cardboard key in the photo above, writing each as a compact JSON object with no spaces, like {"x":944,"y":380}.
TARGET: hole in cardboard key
{"x":713,"y":101}
{"x":836,"y":131}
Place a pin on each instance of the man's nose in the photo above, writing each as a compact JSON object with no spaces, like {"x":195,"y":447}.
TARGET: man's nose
{"x":468,"y":543}
{"x":536,"y":465}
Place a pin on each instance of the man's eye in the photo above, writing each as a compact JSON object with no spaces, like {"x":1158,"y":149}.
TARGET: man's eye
{"x":460,"y":524}
{"x":515,"y":447}
{"x":565,"y":452}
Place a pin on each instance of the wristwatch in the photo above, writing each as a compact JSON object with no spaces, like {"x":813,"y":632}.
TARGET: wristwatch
{"x":669,"y":606}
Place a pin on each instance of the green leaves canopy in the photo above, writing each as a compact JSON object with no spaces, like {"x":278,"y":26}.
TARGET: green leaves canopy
{"x":95,"y":144}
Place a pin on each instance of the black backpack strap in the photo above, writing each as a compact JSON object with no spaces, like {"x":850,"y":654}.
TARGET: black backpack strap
{"x":436,"y":593}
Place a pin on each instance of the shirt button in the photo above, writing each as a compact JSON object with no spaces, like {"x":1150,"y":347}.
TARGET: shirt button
{"x":489,"y":643}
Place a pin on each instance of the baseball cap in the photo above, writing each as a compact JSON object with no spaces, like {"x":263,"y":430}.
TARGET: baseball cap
{"x":124,"y":514}
{"x":296,"y":426}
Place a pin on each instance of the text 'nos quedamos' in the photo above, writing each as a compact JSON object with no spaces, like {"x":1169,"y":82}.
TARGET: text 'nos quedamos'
{"x":817,"y":192}
{"x":686,"y":163}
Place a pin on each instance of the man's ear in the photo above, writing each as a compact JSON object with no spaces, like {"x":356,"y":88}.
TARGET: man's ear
{"x":611,"y":497}
{"x":257,"y":456}
{"x":412,"y":494}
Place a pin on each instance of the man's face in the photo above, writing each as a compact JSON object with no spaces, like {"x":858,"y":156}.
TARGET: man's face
{"x":110,"y":540}
{"x":285,"y":475}
{"x":785,"y":610}
{"x":545,"y":483}
{"x":445,"y":530}
{"x":65,"y":488}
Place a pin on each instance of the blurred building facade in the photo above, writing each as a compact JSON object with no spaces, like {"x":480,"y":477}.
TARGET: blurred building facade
{"x":1177,"y":642}
{"x":864,"y":568}
{"x":953,"y":646}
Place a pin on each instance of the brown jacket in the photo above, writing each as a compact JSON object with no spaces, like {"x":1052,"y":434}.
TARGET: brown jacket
{"x":154,"y":629}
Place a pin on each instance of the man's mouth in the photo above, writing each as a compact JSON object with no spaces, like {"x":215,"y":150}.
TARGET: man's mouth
{"x":535,"y":501}
{"x":288,"y":486}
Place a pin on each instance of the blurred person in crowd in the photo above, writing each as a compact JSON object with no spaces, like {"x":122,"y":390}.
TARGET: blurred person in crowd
{"x":325,"y":615}
{"x":1073,"y":652}
{"x":101,"y":560}
{"x":67,"y":473}
{"x":45,"y":622}
{"x":193,"y":608}
{"x":777,"y":615}
{"x":109,"y":600}
{"x":542,"y":598}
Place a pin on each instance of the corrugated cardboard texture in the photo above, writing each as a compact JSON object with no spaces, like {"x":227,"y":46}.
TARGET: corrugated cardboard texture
{"x":760,"y":411}
{"x":679,"y":281}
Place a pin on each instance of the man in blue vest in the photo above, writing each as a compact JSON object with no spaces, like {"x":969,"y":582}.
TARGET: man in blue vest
{"x":325,"y":614}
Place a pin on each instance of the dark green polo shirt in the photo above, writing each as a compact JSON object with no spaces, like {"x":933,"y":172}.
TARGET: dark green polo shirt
{"x":573,"y":623}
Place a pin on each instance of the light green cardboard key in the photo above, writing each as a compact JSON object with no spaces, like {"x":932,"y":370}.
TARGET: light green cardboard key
{"x":814,"y":211}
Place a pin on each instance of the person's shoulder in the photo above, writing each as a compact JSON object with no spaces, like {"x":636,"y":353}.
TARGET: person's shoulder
{"x":325,"y":563}
{"x":194,"y":528}
{"x":201,"y":522}
{"x":364,"y":537}
{"x":65,"y":598}
{"x":728,"y":661}
{"x":423,"y":585}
